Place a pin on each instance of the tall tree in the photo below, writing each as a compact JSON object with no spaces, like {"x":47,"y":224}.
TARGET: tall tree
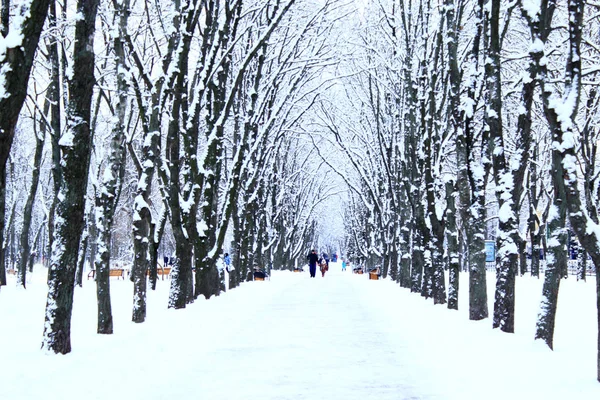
{"x":561,"y":113}
{"x":108,"y":194}
{"x":76,"y":146}
{"x":504,"y":302}
{"x":474,"y":169}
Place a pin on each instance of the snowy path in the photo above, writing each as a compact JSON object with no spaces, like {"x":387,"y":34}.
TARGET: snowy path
{"x":314,"y":340}
{"x":292,"y":338}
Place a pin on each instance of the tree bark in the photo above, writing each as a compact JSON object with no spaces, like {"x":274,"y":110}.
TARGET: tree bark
{"x":556,"y":260}
{"x":28,"y":212}
{"x":418,"y":253}
{"x":452,"y":240}
{"x":76,"y":148}
{"x":55,"y":112}
{"x":111,"y":182}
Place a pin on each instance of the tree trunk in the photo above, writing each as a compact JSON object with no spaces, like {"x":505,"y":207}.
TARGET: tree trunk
{"x":81,"y":259}
{"x":393,"y":259}
{"x":597,"y":268}
{"x":76,"y":148}
{"x":56,"y":122}
{"x":28,"y":212}
{"x":535,"y":224}
{"x":472,"y":186}
{"x":405,"y":263}
{"x":455,"y":189}
{"x":452,"y":240}
{"x":556,"y":260}
{"x":112,"y":179}
{"x":234,"y":275}
{"x":180,"y":275}
{"x":582,"y":265}
{"x":507,"y":239}
{"x":418,"y":253}
{"x":141,"y":230}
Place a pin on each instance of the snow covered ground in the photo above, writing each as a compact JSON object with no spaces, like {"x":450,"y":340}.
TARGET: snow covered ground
{"x":338,"y":337}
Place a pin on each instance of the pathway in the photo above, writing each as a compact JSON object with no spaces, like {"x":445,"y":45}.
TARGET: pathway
{"x":341,"y":337}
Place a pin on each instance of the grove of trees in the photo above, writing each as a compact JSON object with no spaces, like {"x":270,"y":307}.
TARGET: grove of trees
{"x":136,"y":129}
{"x":462,"y":121}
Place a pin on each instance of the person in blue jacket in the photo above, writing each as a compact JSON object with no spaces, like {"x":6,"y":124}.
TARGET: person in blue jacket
{"x":227,"y":261}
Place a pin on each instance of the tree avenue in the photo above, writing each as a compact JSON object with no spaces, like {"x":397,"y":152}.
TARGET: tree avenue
{"x":442,"y":139}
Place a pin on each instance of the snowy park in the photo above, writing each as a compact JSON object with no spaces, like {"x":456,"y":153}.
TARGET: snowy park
{"x":168,"y":169}
{"x":342,"y":337}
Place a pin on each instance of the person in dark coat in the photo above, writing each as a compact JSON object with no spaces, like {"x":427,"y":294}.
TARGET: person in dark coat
{"x":312,"y":262}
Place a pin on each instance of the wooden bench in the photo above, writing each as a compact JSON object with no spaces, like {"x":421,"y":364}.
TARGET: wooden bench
{"x":374,"y":274}
{"x":164,"y":272}
{"x":118,"y":272}
{"x":161,"y":271}
{"x":260,"y":275}
{"x":11,"y":271}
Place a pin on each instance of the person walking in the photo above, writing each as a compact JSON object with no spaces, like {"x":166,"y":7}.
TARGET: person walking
{"x":312,"y":258}
{"x":227,"y":261}
{"x":324,"y":267}
{"x":343,"y":264}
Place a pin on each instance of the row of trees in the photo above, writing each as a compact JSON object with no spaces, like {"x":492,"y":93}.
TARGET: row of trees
{"x":157,"y":126}
{"x":189,"y":126}
{"x":470,"y":119}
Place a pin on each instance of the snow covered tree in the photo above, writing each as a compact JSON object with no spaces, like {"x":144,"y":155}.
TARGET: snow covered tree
{"x":507,"y":248}
{"x":76,"y":148}
{"x":560,"y":112}
{"x":109,"y":190}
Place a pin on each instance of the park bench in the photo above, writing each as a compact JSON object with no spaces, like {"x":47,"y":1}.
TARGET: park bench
{"x":118,"y":272}
{"x":161,"y":271}
{"x":299,"y":269}
{"x":164,"y":271}
{"x":260,"y":274}
{"x":357,"y":270}
{"x":374,"y":273}
{"x":11,"y":271}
